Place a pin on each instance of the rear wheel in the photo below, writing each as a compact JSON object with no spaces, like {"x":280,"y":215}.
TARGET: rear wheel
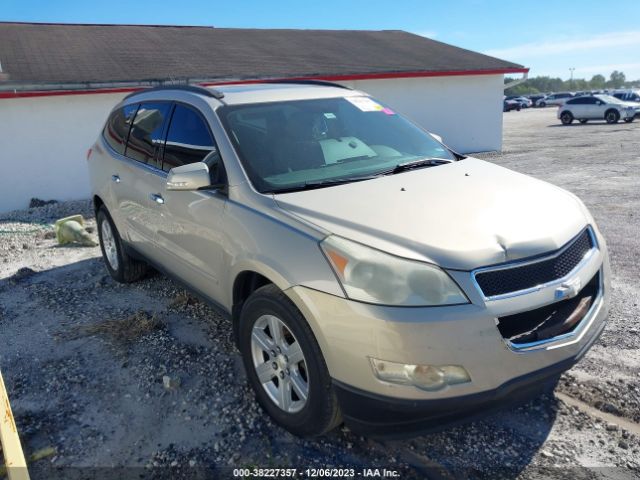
{"x":584,"y":120}
{"x":285,"y":366}
{"x":612,"y":116}
{"x":542,"y":104}
{"x":629,"y":120}
{"x":566,"y":118}
{"x":122,"y":267}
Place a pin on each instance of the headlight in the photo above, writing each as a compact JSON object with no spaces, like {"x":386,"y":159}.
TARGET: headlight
{"x":372,"y":276}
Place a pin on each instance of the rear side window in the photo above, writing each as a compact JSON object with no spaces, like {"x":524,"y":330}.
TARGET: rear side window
{"x":188,"y":139}
{"x":146,"y":136}
{"x":117,"y":128}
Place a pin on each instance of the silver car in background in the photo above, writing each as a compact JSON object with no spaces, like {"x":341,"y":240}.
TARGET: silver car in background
{"x":371,"y":274}
{"x":597,"y":107}
{"x":554,"y":99}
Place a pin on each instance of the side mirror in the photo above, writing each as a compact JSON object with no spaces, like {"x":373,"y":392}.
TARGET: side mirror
{"x":193,"y":176}
{"x":437,"y":137}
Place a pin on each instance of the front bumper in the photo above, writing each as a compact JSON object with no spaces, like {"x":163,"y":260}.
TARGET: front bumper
{"x":370,"y":414}
{"x":350,"y":333}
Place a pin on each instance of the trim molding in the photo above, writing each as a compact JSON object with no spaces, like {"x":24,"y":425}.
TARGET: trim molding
{"x":7,"y":94}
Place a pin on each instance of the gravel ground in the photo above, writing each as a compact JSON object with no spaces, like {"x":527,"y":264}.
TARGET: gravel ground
{"x":168,"y":399}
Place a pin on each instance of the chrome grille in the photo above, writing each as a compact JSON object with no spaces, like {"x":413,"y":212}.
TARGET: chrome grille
{"x":505,"y":279}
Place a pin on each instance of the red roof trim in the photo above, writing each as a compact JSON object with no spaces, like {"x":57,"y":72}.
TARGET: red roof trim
{"x":334,"y":78}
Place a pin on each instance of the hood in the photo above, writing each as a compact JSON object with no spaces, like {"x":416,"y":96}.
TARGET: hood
{"x":461,"y":215}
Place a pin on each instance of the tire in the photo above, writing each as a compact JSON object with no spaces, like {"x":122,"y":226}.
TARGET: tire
{"x":542,"y":104}
{"x":584,"y":120}
{"x":518,"y":108}
{"x":122,"y":267}
{"x":566,"y":118}
{"x":629,"y":120}
{"x":269,"y":308}
{"x":612,"y":116}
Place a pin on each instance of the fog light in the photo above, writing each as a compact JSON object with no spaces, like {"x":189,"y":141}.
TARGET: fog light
{"x":426,"y":377}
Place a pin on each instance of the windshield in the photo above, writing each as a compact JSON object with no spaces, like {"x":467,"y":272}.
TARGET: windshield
{"x":284,"y":145}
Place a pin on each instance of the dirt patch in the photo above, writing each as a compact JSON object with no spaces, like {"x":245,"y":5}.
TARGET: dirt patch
{"x":123,"y":331}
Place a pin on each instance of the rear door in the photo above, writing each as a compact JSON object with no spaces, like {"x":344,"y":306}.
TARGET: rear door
{"x":190,"y":230}
{"x":577,"y":107}
{"x":593,"y":110}
{"x":143,"y":150}
{"x":110,"y":170}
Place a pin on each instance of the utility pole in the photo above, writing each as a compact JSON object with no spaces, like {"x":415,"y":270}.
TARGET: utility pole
{"x":571,"y":69}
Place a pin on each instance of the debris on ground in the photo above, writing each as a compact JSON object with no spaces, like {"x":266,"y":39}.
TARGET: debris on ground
{"x":71,"y":230}
{"x":123,"y":331}
{"x":171,"y":383}
{"x":22,"y":274}
{"x":183,"y":299}
{"x":37,"y":203}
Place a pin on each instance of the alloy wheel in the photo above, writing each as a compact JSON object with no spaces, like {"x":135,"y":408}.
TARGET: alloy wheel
{"x":109,"y":245}
{"x":279,"y":363}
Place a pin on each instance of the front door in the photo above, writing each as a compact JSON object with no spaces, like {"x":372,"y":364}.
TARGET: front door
{"x":190,"y":224}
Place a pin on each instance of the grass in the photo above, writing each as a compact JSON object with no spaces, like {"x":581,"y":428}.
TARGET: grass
{"x":122,"y":331}
{"x":183,"y":299}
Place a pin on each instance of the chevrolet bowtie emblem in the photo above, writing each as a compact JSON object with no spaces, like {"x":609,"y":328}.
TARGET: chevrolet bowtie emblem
{"x":568,"y":289}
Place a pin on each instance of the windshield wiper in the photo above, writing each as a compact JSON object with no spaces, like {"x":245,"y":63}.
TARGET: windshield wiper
{"x":322,"y":184}
{"x":423,"y":162}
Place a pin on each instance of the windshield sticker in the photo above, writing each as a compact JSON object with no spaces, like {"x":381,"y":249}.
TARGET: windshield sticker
{"x":329,"y":115}
{"x":365,"y":104}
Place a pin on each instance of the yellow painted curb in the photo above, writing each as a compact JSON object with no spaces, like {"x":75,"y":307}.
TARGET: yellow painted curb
{"x":13,"y":457}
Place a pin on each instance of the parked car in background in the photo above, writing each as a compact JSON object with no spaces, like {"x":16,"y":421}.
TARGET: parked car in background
{"x":596,"y":107}
{"x":628,"y":95}
{"x":534,"y":99}
{"x":554,"y":99}
{"x":509,"y":105}
{"x":299,"y":211}
{"x":523,"y":101}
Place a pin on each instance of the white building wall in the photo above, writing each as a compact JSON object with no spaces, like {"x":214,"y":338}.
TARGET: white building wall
{"x":465,"y":110}
{"x":44,"y":140}
{"x":44,"y":143}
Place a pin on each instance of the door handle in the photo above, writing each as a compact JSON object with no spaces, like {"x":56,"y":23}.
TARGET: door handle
{"x":156,"y":197}
{"x":115,"y":178}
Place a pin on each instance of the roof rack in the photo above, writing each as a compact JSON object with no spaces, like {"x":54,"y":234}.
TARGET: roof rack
{"x":320,"y":83}
{"x":209,"y":92}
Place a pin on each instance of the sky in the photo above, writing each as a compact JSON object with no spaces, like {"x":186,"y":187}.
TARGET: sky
{"x":549,"y":37}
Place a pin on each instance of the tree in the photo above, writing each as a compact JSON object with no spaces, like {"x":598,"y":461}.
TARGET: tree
{"x":617,"y":79}
{"x":597,"y":81}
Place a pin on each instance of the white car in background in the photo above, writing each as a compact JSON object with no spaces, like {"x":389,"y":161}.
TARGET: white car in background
{"x":523,"y":101}
{"x":554,"y":99}
{"x":596,"y":107}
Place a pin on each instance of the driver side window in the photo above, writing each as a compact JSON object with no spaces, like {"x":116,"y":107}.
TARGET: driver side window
{"x":189,"y":140}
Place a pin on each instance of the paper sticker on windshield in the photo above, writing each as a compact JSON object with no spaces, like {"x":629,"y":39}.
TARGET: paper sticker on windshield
{"x":365,"y":104}
{"x":329,"y":115}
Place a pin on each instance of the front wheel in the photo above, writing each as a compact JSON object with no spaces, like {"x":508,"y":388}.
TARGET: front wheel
{"x":285,"y":366}
{"x":584,"y":120}
{"x":629,"y":120}
{"x":612,"y":116}
{"x":542,"y":104}
{"x":566,"y":118}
